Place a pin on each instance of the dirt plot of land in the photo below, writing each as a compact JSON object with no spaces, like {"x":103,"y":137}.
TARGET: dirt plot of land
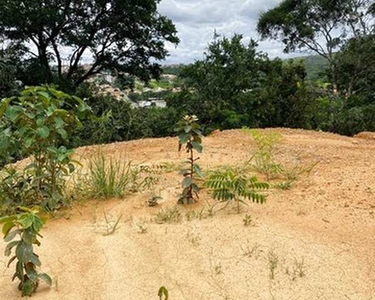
{"x":317,"y":239}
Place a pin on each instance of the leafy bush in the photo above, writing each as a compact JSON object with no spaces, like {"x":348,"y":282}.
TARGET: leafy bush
{"x":231,"y":184}
{"x":189,"y":134}
{"x":40,"y":120}
{"x":15,"y":190}
{"x":26,"y":225}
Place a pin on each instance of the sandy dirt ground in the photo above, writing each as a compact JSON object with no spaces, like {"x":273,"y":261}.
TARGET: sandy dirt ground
{"x":318,"y":237}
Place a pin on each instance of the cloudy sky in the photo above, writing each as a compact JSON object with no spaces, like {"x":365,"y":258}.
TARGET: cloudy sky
{"x":196,"y":21}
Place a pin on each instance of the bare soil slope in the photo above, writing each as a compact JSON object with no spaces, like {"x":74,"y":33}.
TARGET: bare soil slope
{"x":318,"y":236}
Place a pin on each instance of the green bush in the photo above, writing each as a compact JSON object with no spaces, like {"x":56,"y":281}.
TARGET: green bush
{"x":40,"y":121}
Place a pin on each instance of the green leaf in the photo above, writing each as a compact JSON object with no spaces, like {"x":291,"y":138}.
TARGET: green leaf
{"x":28,"y":287}
{"x":11,"y":235}
{"x":45,"y":277}
{"x":183,"y":138}
{"x":29,"y":142}
{"x":62,"y":132}
{"x":11,"y":260}
{"x":7,"y":227}
{"x":198,"y":171}
{"x":43,"y":132}
{"x":197,"y":146}
{"x":4,"y":105}
{"x":26,"y":220}
{"x":35,"y":260}
{"x":186,"y":182}
{"x":7,"y":219}
{"x":38,"y":224}
{"x":8,"y":248}
{"x":32,"y":274}
{"x":163,"y":292}
{"x":14,"y":112}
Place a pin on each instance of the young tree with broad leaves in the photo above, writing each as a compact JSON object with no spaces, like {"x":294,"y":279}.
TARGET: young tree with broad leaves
{"x":121,"y":36}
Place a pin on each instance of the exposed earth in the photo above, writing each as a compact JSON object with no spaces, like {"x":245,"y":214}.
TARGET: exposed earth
{"x":318,"y":237}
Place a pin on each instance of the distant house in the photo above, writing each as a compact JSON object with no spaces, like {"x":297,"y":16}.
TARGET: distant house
{"x":152,"y":102}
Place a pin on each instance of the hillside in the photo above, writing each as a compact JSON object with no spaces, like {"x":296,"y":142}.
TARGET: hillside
{"x":316,"y":237}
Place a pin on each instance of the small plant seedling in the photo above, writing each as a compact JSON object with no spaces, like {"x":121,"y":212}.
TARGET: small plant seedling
{"x":26,"y":225}
{"x":273,"y":261}
{"x":284,"y":185}
{"x":153,"y":201}
{"x":142,"y":227}
{"x":218,"y":269}
{"x":230,"y":184}
{"x":110,"y":229}
{"x":169,"y":215}
{"x":194,"y":214}
{"x":247,"y":220}
{"x":163,"y":293}
{"x":299,"y":268}
{"x":189,"y":134}
{"x":211,"y":210}
{"x":249,"y":252}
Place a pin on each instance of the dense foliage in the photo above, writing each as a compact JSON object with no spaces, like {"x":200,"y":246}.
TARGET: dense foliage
{"x":120,"y":36}
{"x":38,"y":124}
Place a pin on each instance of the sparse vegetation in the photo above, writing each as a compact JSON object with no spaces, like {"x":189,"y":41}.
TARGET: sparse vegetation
{"x":111,"y":227}
{"x":262,"y":160}
{"x":273,"y":261}
{"x":247,"y":220}
{"x":168,"y":215}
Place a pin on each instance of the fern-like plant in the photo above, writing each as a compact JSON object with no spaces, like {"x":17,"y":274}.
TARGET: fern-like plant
{"x":231,"y":184}
{"x":26,"y":225}
{"x":189,"y":134}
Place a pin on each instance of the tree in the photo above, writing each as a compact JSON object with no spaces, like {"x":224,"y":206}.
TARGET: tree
{"x":223,"y":81}
{"x":356,"y":70}
{"x":122,"y":36}
{"x":320,"y":26}
{"x":235,"y":86}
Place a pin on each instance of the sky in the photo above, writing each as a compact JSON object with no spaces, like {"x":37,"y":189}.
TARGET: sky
{"x":196,"y":21}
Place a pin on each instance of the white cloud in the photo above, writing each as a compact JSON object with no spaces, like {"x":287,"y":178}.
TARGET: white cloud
{"x":196,"y":21}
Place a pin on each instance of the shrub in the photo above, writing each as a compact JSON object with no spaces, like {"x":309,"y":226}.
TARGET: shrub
{"x":26,"y":225}
{"x":189,"y":134}
{"x":230,"y":184}
{"x":15,"y":190}
{"x":40,"y":120}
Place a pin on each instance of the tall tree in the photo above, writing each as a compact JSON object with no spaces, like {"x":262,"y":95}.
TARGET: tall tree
{"x":223,"y":79}
{"x":356,"y":70}
{"x":320,"y":26}
{"x":125,"y":36}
